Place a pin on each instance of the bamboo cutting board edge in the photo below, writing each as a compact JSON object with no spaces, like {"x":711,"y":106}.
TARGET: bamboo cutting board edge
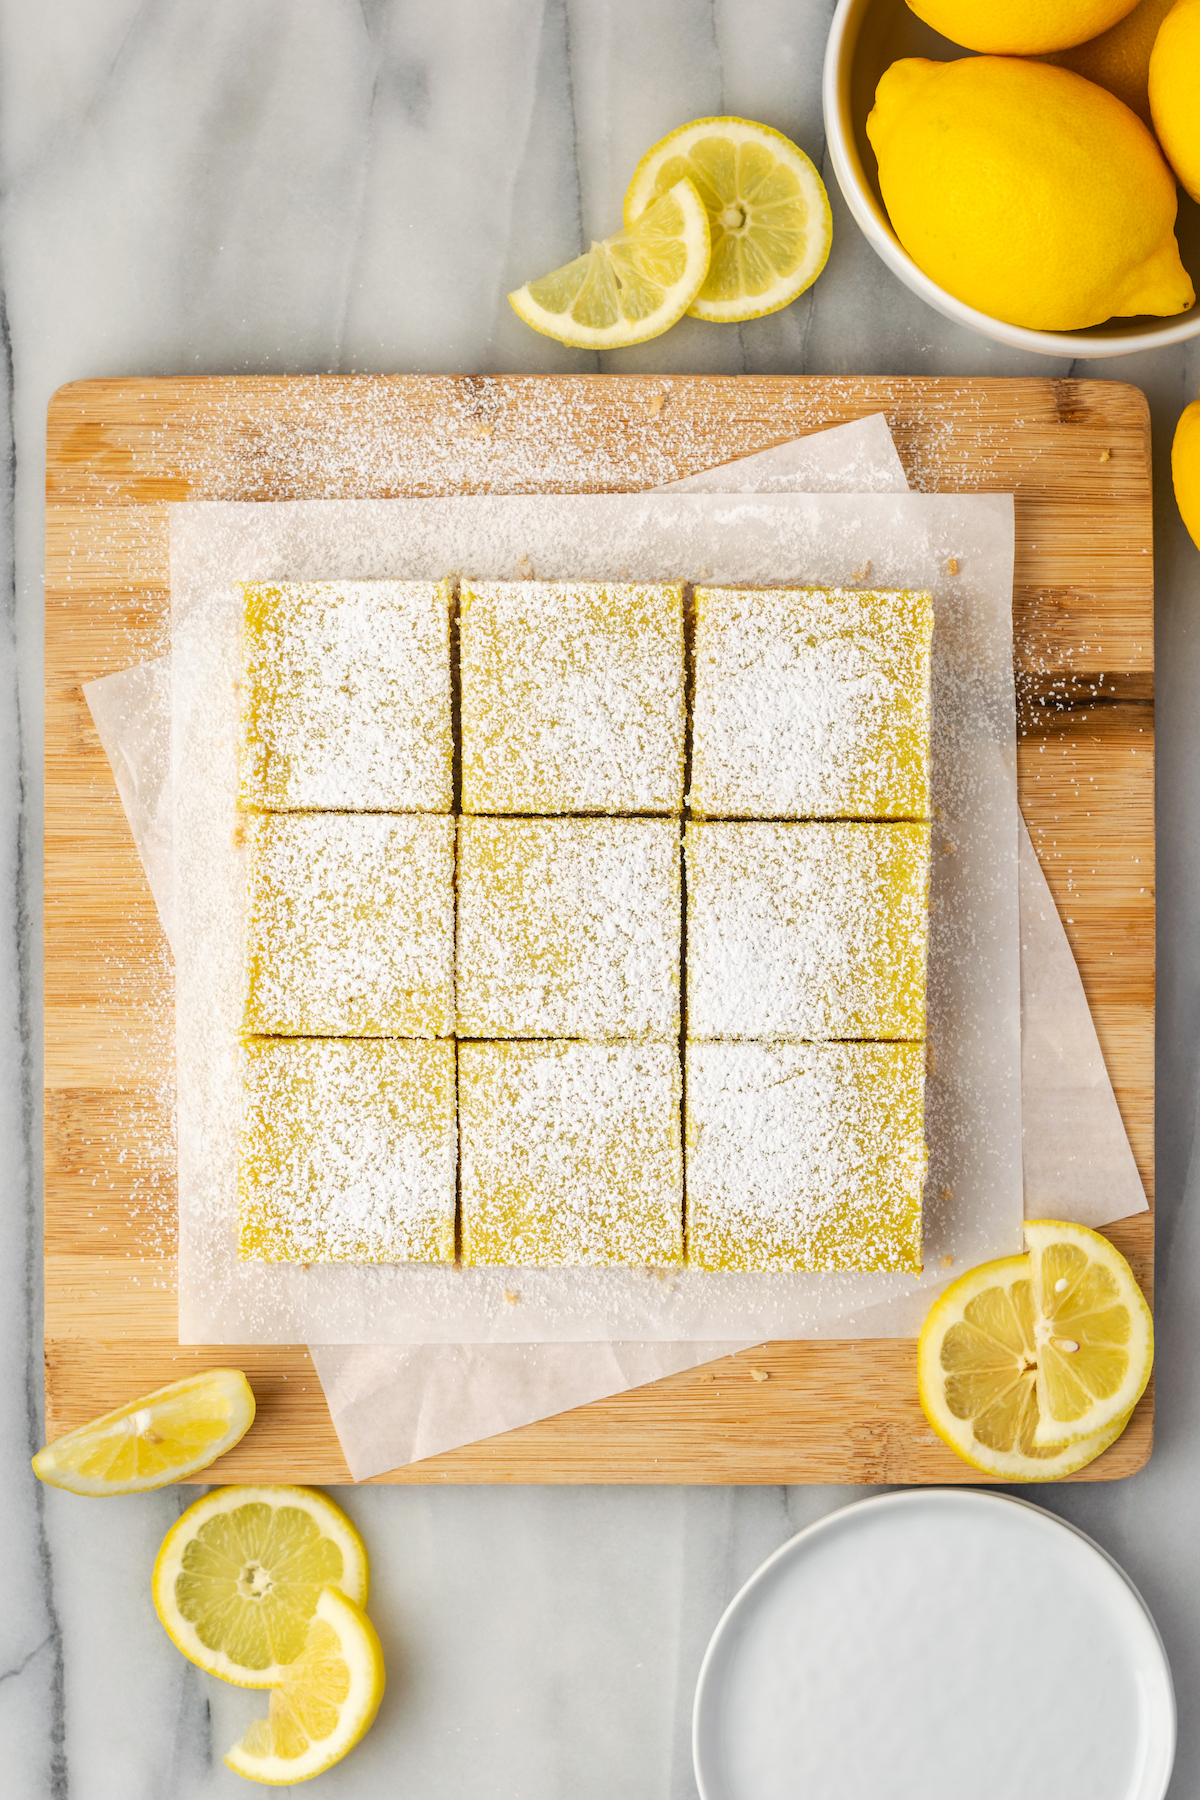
{"x":1076,"y":456}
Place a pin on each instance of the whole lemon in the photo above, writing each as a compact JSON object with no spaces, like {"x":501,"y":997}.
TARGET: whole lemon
{"x":1119,"y":59}
{"x":1027,"y":192}
{"x":1185,"y":468}
{"x":1175,"y":91}
{"x":1020,"y":27}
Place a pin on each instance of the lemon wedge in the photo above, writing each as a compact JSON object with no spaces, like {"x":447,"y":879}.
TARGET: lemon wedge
{"x":1094,"y":1332}
{"x":237,"y":1579}
{"x":981,"y":1352}
{"x":156,"y":1439}
{"x":322,"y":1705}
{"x":632,"y":286}
{"x":768,"y":212}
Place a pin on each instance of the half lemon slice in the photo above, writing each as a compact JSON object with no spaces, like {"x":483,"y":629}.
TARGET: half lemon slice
{"x":156,"y":1439}
{"x":322,"y":1705}
{"x":768,"y":212}
{"x":978,"y":1372}
{"x":1095,"y":1333}
{"x":632,"y":286}
{"x":239,"y":1574}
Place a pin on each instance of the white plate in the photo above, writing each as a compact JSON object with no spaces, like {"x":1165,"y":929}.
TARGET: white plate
{"x":941,"y":1643}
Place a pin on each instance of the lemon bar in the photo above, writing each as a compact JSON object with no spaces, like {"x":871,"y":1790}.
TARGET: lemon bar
{"x":572,"y":697}
{"x":814,"y":930}
{"x":350,"y":925}
{"x":571,"y":1154}
{"x":346,"y":697}
{"x":568,"y":928}
{"x":805,"y":1156}
{"x":348,"y":1151}
{"x":811,"y":703}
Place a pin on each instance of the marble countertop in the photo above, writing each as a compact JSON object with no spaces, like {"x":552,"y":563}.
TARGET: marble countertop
{"x":268,"y":186}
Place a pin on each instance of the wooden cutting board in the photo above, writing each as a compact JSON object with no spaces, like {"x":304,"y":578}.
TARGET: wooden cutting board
{"x":1077,"y":456}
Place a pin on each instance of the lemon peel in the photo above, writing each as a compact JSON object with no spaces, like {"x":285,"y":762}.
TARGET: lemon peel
{"x":1020,"y":27}
{"x":1175,"y":91}
{"x":1119,"y":59}
{"x":1185,"y":468}
{"x":1027,"y":192}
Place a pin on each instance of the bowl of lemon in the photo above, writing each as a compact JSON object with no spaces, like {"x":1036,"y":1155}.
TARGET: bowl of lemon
{"x":1031,"y":170}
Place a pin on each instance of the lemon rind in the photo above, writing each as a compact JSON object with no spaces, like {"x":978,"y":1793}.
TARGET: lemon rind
{"x":46,"y":1463}
{"x":731,"y":312}
{"x":676,"y":300}
{"x":169,"y":1561}
{"x":359,"y":1642}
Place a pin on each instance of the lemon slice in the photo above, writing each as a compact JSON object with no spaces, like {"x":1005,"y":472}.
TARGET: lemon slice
{"x":156,"y":1439}
{"x":977,"y":1375}
{"x":1095,"y":1333}
{"x":768,"y":212}
{"x":239,"y":1574}
{"x":632,"y":286}
{"x":322,"y":1705}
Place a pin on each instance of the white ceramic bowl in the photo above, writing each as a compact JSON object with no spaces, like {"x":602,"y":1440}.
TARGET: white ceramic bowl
{"x":865,"y":38}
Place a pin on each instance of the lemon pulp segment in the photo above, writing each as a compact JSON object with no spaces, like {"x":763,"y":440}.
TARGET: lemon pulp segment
{"x":768,"y":212}
{"x":322,"y":1705}
{"x":632,"y":286}
{"x":156,"y":1439}
{"x":239,"y":1574}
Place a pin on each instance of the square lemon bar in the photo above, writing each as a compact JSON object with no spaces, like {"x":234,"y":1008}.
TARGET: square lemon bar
{"x":348,"y":1151}
{"x":346,"y":697}
{"x":805,"y":1156}
{"x":814,"y":930}
{"x":571,"y":1154}
{"x":568,"y":928}
{"x":572,"y":697}
{"x":350,"y":925}
{"x":811,"y":703}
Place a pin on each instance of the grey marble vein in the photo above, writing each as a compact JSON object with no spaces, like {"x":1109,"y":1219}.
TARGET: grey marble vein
{"x":292,"y":185}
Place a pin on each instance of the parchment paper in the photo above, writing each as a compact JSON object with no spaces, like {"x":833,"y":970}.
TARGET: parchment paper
{"x":973,"y":1109}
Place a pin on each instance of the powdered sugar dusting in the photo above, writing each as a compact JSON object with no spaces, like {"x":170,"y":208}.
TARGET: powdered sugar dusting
{"x":808,"y":1156}
{"x":570,"y":1154}
{"x":811,"y":930}
{"x":568,"y":928}
{"x":350,"y":926}
{"x":348,"y":1151}
{"x":346,"y":697}
{"x":572,"y":697}
{"x":811,"y":703}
